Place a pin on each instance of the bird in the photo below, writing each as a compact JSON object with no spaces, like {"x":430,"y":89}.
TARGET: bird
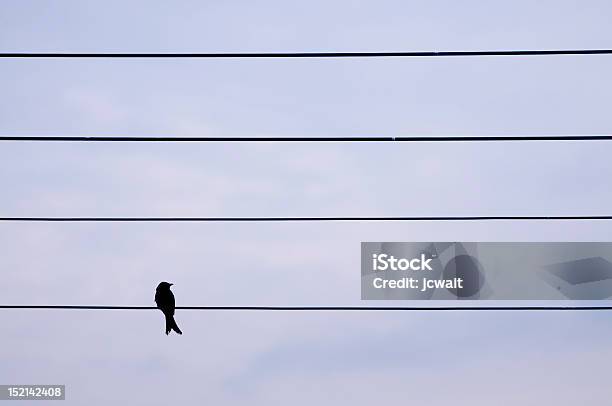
{"x":165,"y":302}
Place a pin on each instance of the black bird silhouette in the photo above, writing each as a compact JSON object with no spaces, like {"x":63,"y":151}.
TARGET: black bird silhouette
{"x":165,"y":302}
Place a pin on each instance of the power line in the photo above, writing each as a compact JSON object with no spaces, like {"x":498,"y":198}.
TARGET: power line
{"x":459,"y":138}
{"x":297,"y":219}
{"x":301,"y":54}
{"x":317,"y":308}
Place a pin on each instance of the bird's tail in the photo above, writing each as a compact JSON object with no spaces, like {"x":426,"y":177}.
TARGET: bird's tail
{"x":171,"y":325}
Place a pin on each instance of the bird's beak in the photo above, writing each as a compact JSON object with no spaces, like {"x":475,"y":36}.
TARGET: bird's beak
{"x":171,"y":284}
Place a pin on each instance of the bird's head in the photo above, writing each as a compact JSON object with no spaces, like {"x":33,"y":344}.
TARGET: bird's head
{"x":164,"y":286}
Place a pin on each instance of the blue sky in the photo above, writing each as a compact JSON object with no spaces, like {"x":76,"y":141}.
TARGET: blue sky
{"x":233,"y":358}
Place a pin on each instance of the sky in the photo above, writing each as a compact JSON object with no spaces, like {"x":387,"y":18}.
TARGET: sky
{"x":232,"y":358}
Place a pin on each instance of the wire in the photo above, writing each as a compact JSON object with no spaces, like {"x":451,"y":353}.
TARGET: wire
{"x":316,"y":308}
{"x":300,"y":54}
{"x":459,"y":138}
{"x":294,"y":219}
